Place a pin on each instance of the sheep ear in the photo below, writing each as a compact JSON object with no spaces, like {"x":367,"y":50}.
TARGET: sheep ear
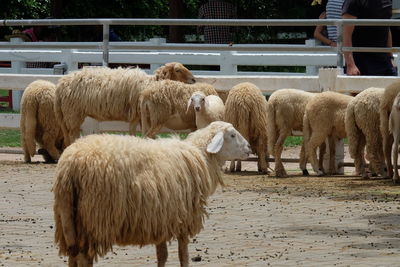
{"x":188,"y":105}
{"x":216,"y":143}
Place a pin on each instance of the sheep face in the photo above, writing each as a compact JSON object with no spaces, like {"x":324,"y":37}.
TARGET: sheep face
{"x":229,"y":144}
{"x":197,"y":101}
{"x":175,"y":71}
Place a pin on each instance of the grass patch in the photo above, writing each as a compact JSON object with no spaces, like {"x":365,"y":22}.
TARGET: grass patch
{"x":293,"y":141}
{"x":10,"y":138}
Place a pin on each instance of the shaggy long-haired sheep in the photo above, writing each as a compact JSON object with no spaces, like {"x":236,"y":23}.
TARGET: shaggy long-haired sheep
{"x":207,"y":108}
{"x":164,"y":103}
{"x":38,"y":122}
{"x":285,"y":112}
{"x":246,"y":109}
{"x":324,"y":118}
{"x":106,"y":94}
{"x":111,"y":190}
{"x":362,"y":123}
{"x":174,"y":71}
{"x":384,"y":110}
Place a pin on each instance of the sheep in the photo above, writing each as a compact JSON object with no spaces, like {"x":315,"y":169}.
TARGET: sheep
{"x":110,"y":189}
{"x":384,"y":110}
{"x":285,"y":111}
{"x":324,"y":118}
{"x":105,"y":94}
{"x":246,"y":109}
{"x":174,"y":71}
{"x":394,"y":129}
{"x":38,"y":122}
{"x":362,"y":122}
{"x":164,"y":103}
{"x":207,"y":108}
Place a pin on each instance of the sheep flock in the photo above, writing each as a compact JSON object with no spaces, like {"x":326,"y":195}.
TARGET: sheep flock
{"x":128,"y":190}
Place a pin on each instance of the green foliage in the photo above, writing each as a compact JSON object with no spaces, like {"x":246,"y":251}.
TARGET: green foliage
{"x":293,"y":141}
{"x":10,"y":138}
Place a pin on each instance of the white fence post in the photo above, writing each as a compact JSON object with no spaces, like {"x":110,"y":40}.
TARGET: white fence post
{"x":311,"y":70}
{"x":327,"y":82}
{"x":16,"y":67}
{"x":226,"y":66}
{"x":156,"y":41}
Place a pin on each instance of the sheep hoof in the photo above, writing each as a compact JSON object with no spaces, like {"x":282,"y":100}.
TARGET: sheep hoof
{"x":305,"y":172}
{"x":280,"y":173}
{"x":320,"y":173}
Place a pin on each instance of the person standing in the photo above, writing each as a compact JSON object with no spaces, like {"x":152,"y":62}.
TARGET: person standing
{"x":333,"y":11}
{"x":369,"y":63}
{"x":217,"y":9}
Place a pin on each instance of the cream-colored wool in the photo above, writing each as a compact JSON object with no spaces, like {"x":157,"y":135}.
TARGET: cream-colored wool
{"x":127,"y":190}
{"x":38,"y":121}
{"x":324,"y":117}
{"x":174,"y":71}
{"x":104,"y":94}
{"x":384,"y":110}
{"x":207,"y":108}
{"x":362,"y":124}
{"x":246,"y":109}
{"x":285,"y":111}
{"x":164,"y":103}
{"x":394,"y":129}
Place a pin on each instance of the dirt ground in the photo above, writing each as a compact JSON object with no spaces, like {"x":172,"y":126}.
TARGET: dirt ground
{"x":255,"y":220}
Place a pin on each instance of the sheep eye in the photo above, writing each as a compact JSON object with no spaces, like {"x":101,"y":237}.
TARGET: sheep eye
{"x":202,"y":100}
{"x":233,"y":135}
{"x":178,"y":70}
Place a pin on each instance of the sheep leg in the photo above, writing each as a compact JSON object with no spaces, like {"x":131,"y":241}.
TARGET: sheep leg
{"x":84,"y":260}
{"x":72,"y":261}
{"x":238,"y":165}
{"x":316,"y":139}
{"x":279,"y":168}
{"x":27,"y":156}
{"x":133,"y":125}
{"x":303,"y":161}
{"x":232,"y":166}
{"x":49,"y":143}
{"x":162,"y":254}
{"x":322,"y":151}
{"x":359,"y":160}
{"x":183,"y":251}
{"x":395,"y":156}
{"x":332,"y":155}
{"x":387,"y":142}
{"x":151,"y":133}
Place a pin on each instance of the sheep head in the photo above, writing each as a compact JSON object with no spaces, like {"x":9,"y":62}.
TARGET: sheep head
{"x":198,"y":100}
{"x":221,"y":139}
{"x":174,"y":71}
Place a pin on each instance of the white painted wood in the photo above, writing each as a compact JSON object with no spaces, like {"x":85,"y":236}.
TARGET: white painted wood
{"x":9,"y":121}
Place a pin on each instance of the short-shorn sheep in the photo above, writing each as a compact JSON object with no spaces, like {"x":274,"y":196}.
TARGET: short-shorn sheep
{"x":111,"y":190}
{"x":384,"y":110}
{"x":207,"y":108}
{"x":362,"y":124}
{"x":246,"y":109}
{"x":285,"y":113}
{"x":38,"y":122}
{"x":164,"y":103}
{"x":324,"y":118}
{"x":394,"y":129}
{"x":105,"y":94}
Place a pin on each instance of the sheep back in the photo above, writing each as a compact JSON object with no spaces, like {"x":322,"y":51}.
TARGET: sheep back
{"x":38,"y":120}
{"x":328,"y":110}
{"x":129,"y":190}
{"x":246,"y":110}
{"x":102,"y":93}
{"x":166,"y":98}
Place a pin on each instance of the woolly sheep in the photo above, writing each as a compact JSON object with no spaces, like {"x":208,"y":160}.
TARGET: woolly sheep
{"x":207,"y":108}
{"x":174,"y":71}
{"x":394,"y":129}
{"x":384,"y":110}
{"x":106,"y":94}
{"x":38,"y":122}
{"x":362,"y":122}
{"x":164,"y":103}
{"x":111,"y":190}
{"x":324,"y":118}
{"x":285,"y":111}
{"x":246,"y":109}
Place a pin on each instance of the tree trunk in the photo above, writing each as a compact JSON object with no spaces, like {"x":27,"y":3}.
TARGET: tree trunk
{"x":176,"y":33}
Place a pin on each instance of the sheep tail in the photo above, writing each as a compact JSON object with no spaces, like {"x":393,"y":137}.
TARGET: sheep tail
{"x":271,"y":128}
{"x":65,"y":206}
{"x":28,"y":124}
{"x":306,"y":130}
{"x":352,"y":131}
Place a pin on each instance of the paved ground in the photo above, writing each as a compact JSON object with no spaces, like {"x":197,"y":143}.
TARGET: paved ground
{"x":255,"y":220}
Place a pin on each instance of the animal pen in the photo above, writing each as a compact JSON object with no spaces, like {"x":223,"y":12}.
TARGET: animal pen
{"x":155,"y":52}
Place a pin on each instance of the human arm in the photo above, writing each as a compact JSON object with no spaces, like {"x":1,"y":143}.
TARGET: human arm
{"x":318,"y":33}
{"x":347,"y":42}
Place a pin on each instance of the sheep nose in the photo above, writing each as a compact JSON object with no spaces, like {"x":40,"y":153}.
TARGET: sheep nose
{"x":193,"y":80}
{"x":197,"y":108}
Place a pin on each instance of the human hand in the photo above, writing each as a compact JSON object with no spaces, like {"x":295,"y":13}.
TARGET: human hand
{"x":333,"y":44}
{"x":352,"y":70}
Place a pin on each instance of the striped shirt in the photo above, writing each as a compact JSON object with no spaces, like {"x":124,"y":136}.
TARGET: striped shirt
{"x":333,"y":11}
